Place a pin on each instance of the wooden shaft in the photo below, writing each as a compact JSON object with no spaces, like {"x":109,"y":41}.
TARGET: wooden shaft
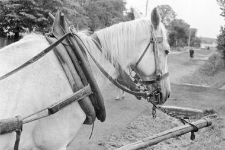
{"x":61,"y":104}
{"x":177,"y":131}
{"x":182,"y":110}
{"x":78,"y":95}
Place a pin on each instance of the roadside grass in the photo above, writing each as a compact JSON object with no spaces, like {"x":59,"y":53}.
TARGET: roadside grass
{"x":211,"y":73}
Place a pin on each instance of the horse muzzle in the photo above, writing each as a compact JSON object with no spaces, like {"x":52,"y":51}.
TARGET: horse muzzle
{"x":157,"y":97}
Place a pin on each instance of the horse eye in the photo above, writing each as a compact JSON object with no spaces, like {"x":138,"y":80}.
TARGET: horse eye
{"x":167,"y":52}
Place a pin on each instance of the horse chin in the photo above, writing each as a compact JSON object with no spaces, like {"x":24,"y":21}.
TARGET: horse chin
{"x":164,"y":93}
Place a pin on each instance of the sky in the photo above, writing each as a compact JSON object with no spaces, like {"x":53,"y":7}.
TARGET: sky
{"x":204,"y":15}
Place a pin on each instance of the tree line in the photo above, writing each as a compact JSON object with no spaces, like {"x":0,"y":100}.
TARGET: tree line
{"x":179,"y":31}
{"x":28,"y":15}
{"x":18,"y":16}
{"x":221,"y":36}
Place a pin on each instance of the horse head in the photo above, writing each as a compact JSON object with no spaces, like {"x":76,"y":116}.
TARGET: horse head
{"x":141,"y":45}
{"x":151,"y":61}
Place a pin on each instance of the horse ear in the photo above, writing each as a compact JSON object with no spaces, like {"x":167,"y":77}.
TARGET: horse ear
{"x":155,"y":18}
{"x":137,"y":14}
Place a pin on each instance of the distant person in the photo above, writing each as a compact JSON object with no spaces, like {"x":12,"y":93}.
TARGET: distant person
{"x":191,"y":53}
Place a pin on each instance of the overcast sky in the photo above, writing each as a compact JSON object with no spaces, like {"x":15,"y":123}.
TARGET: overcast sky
{"x":203,"y":15}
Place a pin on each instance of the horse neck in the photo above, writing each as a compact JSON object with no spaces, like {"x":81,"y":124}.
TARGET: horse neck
{"x":100,"y":57}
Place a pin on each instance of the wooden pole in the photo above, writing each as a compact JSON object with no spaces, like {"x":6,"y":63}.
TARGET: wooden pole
{"x":189,"y":39}
{"x":177,"y":131}
{"x":182,"y":110}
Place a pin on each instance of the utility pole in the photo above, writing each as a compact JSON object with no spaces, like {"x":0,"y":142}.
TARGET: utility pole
{"x":146,"y":11}
{"x":189,"y":39}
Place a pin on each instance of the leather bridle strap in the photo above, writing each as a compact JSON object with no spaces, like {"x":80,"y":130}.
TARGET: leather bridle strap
{"x":158,"y":73}
{"x":157,"y":78}
{"x":35,"y":58}
{"x":155,"y":50}
{"x":146,"y":49}
{"x":143,"y":54}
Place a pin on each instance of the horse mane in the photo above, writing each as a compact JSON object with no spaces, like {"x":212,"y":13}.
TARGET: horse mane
{"x":123,"y":46}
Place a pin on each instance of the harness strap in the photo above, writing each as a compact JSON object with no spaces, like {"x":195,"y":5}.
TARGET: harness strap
{"x":158,"y":78}
{"x":18,"y":132}
{"x":16,"y":145}
{"x":35,"y":58}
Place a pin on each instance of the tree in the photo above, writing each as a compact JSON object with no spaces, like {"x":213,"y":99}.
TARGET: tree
{"x":103,"y":13}
{"x":221,"y":3}
{"x":221,"y":41}
{"x":130,"y":14}
{"x":178,"y":29}
{"x":194,"y":40}
{"x":75,"y":13}
{"x":21,"y":15}
{"x":221,"y":36}
{"x":178,"y":33}
{"x":167,"y":14}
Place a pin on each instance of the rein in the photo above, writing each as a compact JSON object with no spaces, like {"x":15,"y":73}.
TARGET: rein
{"x":35,"y":58}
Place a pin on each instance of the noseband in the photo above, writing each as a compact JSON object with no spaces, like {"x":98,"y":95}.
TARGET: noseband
{"x":158,"y":73}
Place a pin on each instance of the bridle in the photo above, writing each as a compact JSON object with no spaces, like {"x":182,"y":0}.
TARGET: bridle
{"x":142,"y":92}
{"x":158,"y":76}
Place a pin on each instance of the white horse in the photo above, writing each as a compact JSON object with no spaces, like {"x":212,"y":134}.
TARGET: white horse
{"x":44,"y":82}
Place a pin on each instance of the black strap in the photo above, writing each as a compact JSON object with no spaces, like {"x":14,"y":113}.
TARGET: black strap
{"x":152,"y":40}
{"x":155,"y":80}
{"x":194,"y":126}
{"x":142,"y":54}
{"x":193,"y":132}
{"x":16,"y":145}
{"x":35,"y":58}
{"x":18,"y":132}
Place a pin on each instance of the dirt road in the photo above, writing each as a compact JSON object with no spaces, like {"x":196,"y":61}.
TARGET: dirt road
{"x":129,"y":119}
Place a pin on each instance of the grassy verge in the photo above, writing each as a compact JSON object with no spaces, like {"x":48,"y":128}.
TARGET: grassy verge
{"x":212,"y":73}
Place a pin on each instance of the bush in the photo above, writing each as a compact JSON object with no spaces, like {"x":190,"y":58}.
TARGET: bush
{"x":221,"y":42}
{"x":214,"y":64}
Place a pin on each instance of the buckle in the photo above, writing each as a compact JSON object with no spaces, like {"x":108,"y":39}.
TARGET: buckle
{"x":158,"y":77}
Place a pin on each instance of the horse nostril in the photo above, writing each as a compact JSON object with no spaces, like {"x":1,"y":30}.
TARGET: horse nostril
{"x":168,"y":95}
